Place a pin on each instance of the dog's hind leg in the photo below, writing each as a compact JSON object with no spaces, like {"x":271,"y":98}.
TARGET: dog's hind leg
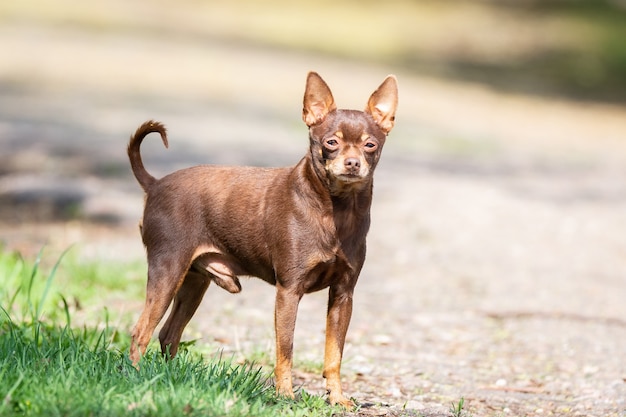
{"x":165,"y":275}
{"x":186,"y":303}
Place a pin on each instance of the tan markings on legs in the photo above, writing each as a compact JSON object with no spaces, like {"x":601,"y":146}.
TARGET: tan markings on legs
{"x":285,"y":313}
{"x":337,"y":321}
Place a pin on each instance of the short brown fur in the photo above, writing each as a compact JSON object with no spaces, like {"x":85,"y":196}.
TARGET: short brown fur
{"x":300,"y":228}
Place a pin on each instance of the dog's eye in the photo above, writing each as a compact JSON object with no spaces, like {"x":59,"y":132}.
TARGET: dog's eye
{"x":370,"y":146}
{"x":331,"y":143}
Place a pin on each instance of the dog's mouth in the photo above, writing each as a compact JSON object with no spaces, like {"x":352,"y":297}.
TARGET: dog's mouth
{"x":338,"y":171}
{"x":349,"y":177}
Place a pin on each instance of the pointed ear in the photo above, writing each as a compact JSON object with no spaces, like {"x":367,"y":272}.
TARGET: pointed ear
{"x":318,"y":100}
{"x":383,"y":103}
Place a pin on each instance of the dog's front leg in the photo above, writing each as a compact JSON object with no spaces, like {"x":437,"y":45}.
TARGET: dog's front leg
{"x":285,"y":313}
{"x":337,"y":321}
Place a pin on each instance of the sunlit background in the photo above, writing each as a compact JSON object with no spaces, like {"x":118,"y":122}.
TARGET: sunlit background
{"x":77,"y":77}
{"x":501,"y":193}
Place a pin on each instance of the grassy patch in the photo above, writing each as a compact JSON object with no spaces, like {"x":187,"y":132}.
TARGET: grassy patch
{"x":83,"y":283}
{"x":457,"y":409}
{"x":47,"y":370}
{"x":49,"y":367}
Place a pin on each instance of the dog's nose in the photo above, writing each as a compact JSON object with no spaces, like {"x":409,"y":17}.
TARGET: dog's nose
{"x":352,"y":164}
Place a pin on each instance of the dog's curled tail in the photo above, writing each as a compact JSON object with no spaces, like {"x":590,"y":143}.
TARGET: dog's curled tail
{"x":143,"y":177}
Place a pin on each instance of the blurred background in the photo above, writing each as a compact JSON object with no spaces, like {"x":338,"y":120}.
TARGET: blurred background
{"x":76,"y":78}
{"x":500,"y":194}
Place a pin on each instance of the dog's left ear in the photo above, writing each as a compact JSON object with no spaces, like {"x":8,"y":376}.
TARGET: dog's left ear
{"x":383,"y":103}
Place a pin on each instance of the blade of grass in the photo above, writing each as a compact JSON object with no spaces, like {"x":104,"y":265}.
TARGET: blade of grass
{"x":66,"y":310}
{"x":49,"y":280}
{"x":16,"y":270}
{"x":31,"y":280}
{"x":7,"y":398}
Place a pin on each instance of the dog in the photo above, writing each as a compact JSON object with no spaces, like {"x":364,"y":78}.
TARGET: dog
{"x":300,"y":228}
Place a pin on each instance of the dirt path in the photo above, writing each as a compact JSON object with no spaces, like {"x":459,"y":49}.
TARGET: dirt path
{"x":497,"y":258}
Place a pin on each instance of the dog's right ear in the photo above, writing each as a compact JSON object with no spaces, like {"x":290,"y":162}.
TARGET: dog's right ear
{"x":318,"y":100}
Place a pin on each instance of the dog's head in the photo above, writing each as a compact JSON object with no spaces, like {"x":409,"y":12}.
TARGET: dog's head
{"x":346,"y":144}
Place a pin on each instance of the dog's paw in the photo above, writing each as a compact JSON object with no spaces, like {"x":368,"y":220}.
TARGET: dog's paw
{"x":341,"y":400}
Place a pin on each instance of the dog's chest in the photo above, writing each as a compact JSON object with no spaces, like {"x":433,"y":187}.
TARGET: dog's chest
{"x":337,"y":265}
{"x":325,"y":272}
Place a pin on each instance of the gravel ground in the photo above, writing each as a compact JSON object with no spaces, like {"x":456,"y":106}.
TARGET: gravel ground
{"x":497,"y":258}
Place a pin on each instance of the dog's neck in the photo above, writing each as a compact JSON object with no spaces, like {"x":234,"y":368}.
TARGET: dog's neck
{"x":349,"y":211}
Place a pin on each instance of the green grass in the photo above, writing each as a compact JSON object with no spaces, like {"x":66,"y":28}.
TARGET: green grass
{"x":84,"y":283}
{"x":48,"y":370}
{"x":457,"y":409}
{"x":49,"y":367}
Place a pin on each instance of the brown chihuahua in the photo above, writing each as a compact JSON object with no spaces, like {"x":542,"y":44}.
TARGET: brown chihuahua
{"x":300,"y":228}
